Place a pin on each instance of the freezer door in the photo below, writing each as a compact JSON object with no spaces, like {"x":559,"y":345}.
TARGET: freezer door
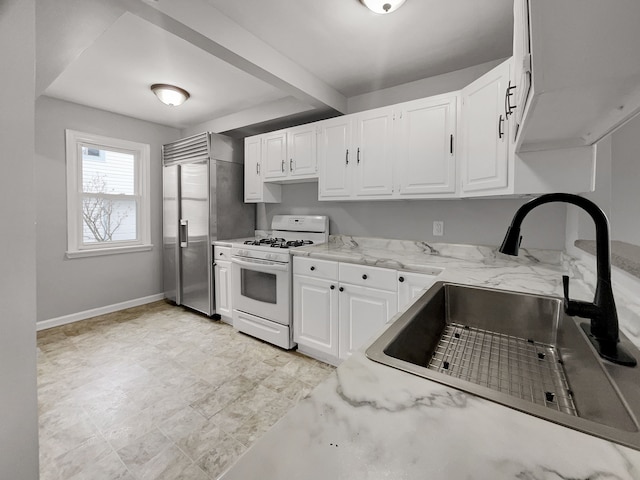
{"x":170,"y":216}
{"x":195,"y":246}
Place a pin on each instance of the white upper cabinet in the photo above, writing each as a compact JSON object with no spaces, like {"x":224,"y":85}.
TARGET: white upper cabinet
{"x":356,"y":156}
{"x":255,"y":190}
{"x":426,"y":146}
{"x":274,"y":154}
{"x":302,"y":151}
{"x":290,"y":155}
{"x":334,"y":180}
{"x":372,"y":143}
{"x":585,"y":70}
{"x":485,"y":132}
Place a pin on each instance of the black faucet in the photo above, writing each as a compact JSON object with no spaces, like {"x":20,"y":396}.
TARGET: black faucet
{"x":603,"y":332}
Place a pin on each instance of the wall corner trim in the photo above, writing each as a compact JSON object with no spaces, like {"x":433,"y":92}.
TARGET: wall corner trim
{"x":94,"y":312}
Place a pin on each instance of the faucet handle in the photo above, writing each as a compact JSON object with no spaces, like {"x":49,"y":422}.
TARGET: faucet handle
{"x":565,"y":287}
{"x":577,"y":308}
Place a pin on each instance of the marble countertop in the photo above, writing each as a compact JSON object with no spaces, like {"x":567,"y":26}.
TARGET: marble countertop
{"x":370,"y":421}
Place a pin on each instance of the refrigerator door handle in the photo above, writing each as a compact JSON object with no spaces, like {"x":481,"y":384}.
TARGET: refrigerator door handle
{"x":184,"y":233}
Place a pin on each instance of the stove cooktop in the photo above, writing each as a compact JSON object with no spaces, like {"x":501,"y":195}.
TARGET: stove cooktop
{"x":278,"y":242}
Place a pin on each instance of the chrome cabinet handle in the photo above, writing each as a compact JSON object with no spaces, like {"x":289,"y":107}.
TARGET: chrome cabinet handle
{"x":358,"y":155}
{"x":184,"y":233}
{"x":346,"y":157}
{"x":291,"y":164}
{"x":282,"y":165}
{"x":257,"y":169}
{"x":500,"y":122}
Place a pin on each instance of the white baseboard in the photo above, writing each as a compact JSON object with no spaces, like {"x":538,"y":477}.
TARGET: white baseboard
{"x":94,"y":312}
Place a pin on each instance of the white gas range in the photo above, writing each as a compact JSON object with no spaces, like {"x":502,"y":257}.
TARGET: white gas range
{"x":261,"y":277}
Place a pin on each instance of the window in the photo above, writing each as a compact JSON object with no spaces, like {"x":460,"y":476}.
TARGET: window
{"x":107,"y":195}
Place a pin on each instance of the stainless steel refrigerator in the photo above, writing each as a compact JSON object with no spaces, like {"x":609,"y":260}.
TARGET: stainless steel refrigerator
{"x":203,"y":201}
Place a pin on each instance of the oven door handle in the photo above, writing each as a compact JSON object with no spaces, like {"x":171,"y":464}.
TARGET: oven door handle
{"x":280,"y":267}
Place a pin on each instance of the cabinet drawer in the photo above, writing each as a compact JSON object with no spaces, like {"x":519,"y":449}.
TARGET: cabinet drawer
{"x":374,"y":277}
{"x":315,"y":268}
{"x":222,"y":253}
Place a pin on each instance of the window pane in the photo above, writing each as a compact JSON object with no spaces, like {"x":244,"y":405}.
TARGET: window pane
{"x":104,"y":171}
{"x":106,"y":220}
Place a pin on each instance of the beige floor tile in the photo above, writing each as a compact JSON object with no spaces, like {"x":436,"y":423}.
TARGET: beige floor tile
{"x":221,"y":456}
{"x":140,"y":454}
{"x":158,"y":392}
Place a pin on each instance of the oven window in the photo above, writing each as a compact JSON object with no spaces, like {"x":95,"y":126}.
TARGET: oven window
{"x":258,"y":286}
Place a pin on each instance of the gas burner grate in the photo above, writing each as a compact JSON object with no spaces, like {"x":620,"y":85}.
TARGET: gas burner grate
{"x":522,"y":368}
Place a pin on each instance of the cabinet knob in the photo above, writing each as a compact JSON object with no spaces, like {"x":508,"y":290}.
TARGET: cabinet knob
{"x":312,"y":268}
{"x":221,"y":254}
{"x":401,"y":279}
{"x":364,"y":277}
{"x":341,"y":289}
{"x":332,"y":287}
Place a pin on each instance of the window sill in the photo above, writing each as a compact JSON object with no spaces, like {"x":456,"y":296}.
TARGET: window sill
{"x":108,"y":251}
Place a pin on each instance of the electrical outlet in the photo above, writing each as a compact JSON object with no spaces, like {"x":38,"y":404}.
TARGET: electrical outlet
{"x":438,"y":229}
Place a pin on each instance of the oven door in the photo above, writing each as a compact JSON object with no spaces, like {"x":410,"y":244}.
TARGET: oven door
{"x":262,"y":288}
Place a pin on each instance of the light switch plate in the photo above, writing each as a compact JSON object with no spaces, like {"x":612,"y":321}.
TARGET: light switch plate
{"x":438,"y":228}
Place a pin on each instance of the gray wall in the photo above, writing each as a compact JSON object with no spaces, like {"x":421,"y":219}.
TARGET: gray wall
{"x":71,"y":286}
{"x":475,"y":221}
{"x":616,"y":192}
{"x":625,"y":175}
{"x":425,"y":87}
{"x":18,"y":406}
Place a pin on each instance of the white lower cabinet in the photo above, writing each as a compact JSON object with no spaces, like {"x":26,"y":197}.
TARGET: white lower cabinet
{"x":363,"y":311}
{"x":222,"y":283}
{"x":315,"y":315}
{"x":410,"y":285}
{"x":338,"y":307}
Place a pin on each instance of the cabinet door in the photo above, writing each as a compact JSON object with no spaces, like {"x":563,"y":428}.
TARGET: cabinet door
{"x":410,"y":285}
{"x":363,"y":311}
{"x":426,"y":154}
{"x":521,"y":60}
{"x":252,"y":177}
{"x":274,"y":153}
{"x":373,"y":144}
{"x":485,"y":132}
{"x":223,"y":284}
{"x":302,"y":151}
{"x":315,"y":314}
{"x":334,"y":180}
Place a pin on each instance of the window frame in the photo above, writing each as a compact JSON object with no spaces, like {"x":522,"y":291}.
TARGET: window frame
{"x":76,"y":247}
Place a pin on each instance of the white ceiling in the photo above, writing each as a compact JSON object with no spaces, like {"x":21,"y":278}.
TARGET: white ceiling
{"x":115,"y":74}
{"x":251,"y":61}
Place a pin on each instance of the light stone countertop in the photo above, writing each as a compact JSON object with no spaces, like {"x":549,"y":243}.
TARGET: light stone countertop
{"x":370,"y":421}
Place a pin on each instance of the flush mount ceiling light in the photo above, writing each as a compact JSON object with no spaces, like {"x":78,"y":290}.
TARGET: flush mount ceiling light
{"x":382,"y":6}
{"x":170,"y":94}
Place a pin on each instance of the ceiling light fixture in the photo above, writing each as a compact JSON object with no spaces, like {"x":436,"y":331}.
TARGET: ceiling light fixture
{"x":382,"y":6}
{"x":170,"y":94}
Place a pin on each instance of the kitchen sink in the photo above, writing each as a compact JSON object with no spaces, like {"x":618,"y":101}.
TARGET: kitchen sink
{"x":519,"y":350}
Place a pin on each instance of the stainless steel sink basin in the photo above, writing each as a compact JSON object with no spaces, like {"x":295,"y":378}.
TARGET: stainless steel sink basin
{"x":519,"y":350}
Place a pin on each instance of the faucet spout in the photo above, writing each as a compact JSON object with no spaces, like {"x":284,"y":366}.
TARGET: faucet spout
{"x":603,"y":332}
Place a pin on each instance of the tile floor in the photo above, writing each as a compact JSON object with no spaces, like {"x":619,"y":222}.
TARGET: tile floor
{"x":158,"y":392}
